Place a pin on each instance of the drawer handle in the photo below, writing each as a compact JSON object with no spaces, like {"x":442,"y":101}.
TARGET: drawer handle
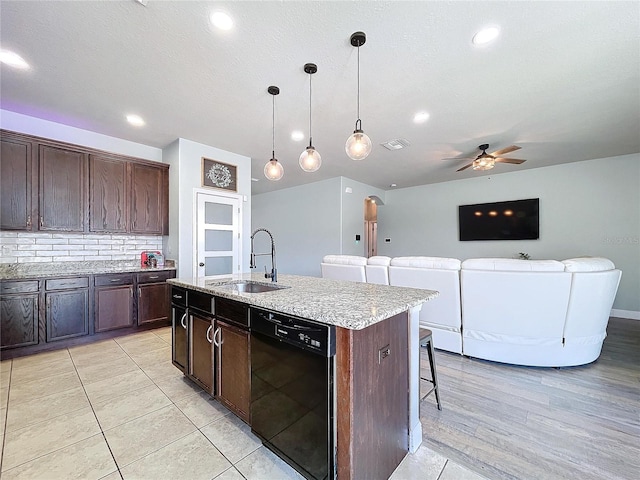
{"x":178,"y":297}
{"x":154,"y":277}
{"x":115,"y":280}
{"x":10,"y":288}
{"x":183,"y":322}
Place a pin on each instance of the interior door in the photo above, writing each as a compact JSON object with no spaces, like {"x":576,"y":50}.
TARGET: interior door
{"x":218,"y":235}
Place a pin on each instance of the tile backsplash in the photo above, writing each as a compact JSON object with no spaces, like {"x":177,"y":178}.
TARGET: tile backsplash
{"x":22,"y":247}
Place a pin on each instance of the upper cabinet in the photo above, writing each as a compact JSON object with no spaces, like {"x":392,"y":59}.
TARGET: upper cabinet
{"x":62,"y":189}
{"x":108,"y":195}
{"x":149,"y":206}
{"x":51,"y":186}
{"x":16,"y":184}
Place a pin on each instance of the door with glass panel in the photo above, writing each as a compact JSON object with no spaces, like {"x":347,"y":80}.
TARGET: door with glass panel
{"x":218,"y":235}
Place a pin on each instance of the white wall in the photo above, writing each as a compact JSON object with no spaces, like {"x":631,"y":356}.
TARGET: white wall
{"x":305,"y":223}
{"x":586,"y":208}
{"x":17,"y":122}
{"x":185,"y":158}
{"x":353,"y":214}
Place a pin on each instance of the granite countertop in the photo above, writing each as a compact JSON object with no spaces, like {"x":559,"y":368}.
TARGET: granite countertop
{"x":351,"y":305}
{"x":19,"y":271}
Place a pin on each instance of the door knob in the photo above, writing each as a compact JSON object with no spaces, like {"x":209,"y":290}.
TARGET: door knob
{"x":201,"y":264}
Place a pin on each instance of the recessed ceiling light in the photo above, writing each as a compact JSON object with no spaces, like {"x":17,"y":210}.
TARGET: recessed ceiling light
{"x":13,"y":59}
{"x":135,"y":120}
{"x":486,"y":35}
{"x":254,"y":179}
{"x":221,"y":20}
{"x":420,"y":117}
{"x":297,"y":135}
{"x":393,"y":185}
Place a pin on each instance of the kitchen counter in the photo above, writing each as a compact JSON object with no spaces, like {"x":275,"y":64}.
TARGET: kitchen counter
{"x":21,"y":271}
{"x":350,"y":305}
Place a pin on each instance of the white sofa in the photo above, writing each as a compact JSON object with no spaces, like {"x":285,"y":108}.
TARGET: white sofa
{"x":542,"y":313}
{"x":377,"y":270}
{"x":344,"y":267}
{"x":442,"y":314}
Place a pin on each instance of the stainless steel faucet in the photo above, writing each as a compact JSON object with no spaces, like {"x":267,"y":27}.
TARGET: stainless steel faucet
{"x":252,"y":264}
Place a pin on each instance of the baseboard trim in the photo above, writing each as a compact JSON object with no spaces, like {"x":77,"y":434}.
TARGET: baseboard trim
{"x":633,"y":315}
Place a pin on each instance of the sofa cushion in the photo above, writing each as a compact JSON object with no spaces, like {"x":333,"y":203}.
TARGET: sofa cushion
{"x":513,"y":265}
{"x":440,"y":263}
{"x":379,"y":260}
{"x":344,"y":260}
{"x":588,"y":264}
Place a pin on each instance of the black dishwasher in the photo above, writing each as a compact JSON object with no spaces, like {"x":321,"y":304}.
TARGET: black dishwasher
{"x":292,"y":391}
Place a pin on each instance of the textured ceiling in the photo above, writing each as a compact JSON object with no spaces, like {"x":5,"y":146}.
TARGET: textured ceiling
{"x":562,"y":81}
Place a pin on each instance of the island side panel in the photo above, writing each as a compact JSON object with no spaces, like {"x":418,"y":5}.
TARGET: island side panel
{"x":373,"y":405}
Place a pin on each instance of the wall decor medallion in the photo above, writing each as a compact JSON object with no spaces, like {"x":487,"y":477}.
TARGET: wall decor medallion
{"x":219,"y":175}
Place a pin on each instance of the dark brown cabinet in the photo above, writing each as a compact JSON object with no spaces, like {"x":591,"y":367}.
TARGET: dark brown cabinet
{"x":67,"y":308}
{"x":18,"y":313}
{"x":108,"y":195}
{"x":113,"y":302}
{"x":62,"y":189}
{"x":16,"y":184}
{"x":149,"y":199}
{"x":153,"y":297}
{"x":201,"y":350}
{"x":179,"y":333}
{"x":233,"y":368}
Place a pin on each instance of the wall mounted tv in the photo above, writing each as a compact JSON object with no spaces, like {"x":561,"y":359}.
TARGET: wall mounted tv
{"x":513,"y":220}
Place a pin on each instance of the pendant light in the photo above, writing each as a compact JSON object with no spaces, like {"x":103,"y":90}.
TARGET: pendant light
{"x":358,"y":145}
{"x":273,"y":170}
{"x":310,"y":160}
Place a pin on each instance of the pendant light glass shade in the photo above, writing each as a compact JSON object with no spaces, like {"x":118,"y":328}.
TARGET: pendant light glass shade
{"x":310,"y":160}
{"x":273,"y":170}
{"x":358,"y":145}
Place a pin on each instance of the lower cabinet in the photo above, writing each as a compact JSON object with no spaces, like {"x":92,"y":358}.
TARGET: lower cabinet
{"x":153,"y":297}
{"x":234,"y":369}
{"x":113,"y":302}
{"x":67,"y":308}
{"x":201,"y":351}
{"x":18,"y":313}
{"x":179,"y":333}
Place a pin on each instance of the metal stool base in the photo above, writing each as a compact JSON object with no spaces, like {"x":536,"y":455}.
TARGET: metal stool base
{"x":426,"y":341}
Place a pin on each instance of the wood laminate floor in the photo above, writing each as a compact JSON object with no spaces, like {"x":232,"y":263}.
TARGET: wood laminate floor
{"x":509,"y":422}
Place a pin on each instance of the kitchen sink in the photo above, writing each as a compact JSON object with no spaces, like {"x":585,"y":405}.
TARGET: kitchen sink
{"x":252,"y":287}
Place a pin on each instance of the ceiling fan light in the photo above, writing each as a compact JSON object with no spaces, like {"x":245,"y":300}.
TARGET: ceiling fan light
{"x":273,"y":170}
{"x":484,"y":162}
{"x":310,"y":160}
{"x":358,"y":145}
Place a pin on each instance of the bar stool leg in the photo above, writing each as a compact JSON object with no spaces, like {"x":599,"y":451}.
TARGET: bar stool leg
{"x":432,"y":363}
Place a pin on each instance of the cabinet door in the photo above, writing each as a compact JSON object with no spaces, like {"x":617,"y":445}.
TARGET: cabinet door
{"x":18,"y":320}
{"x":16,"y":184}
{"x":113,"y":307}
{"x":153,"y":302}
{"x":201,"y":355}
{"x":149,"y":199}
{"x":234,"y":369}
{"x":108,"y":203}
{"x":179,"y":343}
{"x":67,"y":314}
{"x":62,"y":189}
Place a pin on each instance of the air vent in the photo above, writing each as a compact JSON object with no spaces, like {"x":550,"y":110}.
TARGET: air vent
{"x":396,"y":144}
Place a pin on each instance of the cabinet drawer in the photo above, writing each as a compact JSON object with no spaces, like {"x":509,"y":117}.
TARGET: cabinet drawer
{"x":232,"y":311}
{"x":116,"y":279}
{"x":200,"y":301}
{"x":66,"y":283}
{"x":155,"y":277}
{"x":179,"y":296}
{"x":19,"y":287}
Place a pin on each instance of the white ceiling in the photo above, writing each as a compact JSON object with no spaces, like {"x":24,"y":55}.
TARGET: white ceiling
{"x":562,"y":81}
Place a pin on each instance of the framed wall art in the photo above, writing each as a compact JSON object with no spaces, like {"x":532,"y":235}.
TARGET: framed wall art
{"x":219,"y":175}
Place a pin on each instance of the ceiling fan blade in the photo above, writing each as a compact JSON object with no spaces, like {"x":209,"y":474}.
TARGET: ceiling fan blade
{"x":459,"y":158}
{"x":465,"y":167}
{"x":510,"y":149}
{"x":516,"y":161}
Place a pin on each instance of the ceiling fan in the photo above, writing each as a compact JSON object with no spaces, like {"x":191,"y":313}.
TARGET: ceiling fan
{"x":486,"y":161}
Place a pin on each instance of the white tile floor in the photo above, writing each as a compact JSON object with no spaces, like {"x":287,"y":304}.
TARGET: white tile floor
{"x":119,"y":409}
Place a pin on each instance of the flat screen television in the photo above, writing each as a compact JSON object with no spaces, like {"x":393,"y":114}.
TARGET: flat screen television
{"x":513,"y":220}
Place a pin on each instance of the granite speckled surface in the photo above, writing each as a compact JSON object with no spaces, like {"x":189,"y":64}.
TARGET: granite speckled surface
{"x":20,"y":271}
{"x":341,"y":303}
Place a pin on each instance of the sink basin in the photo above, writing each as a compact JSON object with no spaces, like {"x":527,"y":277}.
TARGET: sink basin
{"x":252,"y":287}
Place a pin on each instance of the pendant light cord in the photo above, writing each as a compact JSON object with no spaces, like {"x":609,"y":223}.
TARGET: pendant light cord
{"x":310,"y":137}
{"x":273,"y":126}
{"x":358,"y":80}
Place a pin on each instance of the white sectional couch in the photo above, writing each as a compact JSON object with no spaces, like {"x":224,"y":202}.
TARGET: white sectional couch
{"x":542,"y":313}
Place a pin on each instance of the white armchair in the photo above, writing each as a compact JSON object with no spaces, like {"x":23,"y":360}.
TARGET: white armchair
{"x":344,"y":267}
{"x":377,"y":269}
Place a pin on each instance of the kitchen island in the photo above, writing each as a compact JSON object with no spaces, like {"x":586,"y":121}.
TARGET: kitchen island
{"x":375,"y":375}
